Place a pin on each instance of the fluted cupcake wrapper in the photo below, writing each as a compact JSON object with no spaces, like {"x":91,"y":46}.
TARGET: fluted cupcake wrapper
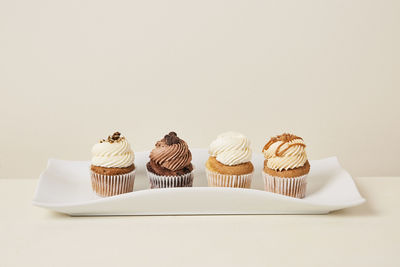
{"x":111,"y":185}
{"x":225,"y":180}
{"x":292,"y":187}
{"x":161,"y":181}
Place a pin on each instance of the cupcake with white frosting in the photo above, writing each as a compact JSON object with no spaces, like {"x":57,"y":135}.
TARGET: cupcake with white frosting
{"x":229,"y":164}
{"x":112,"y":166}
{"x":286,"y":165}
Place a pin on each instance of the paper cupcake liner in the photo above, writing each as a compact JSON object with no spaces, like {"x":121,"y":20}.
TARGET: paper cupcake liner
{"x":225,"y":180}
{"x":292,"y":187}
{"x":160,"y":181}
{"x":111,"y":185}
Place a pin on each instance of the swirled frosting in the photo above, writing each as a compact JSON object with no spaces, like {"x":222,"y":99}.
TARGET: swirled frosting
{"x":115,"y":152}
{"x":285,"y":152}
{"x":171,"y":153}
{"x":231,"y":148}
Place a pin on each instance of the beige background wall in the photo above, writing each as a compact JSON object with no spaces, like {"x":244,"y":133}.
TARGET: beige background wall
{"x":71,"y":72}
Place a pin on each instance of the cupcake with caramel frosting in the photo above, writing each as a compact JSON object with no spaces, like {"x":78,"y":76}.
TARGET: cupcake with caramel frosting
{"x":170,"y":163}
{"x":112,"y":166}
{"x":286,"y":165}
{"x":229,"y":164}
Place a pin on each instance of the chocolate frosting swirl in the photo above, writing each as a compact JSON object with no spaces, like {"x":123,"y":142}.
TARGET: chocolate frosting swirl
{"x":171,"y":153}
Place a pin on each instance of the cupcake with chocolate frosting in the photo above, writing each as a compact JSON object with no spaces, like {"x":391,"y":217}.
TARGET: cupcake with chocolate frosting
{"x":112,"y":166}
{"x":170,"y":163}
{"x":286,"y":165}
{"x":229,"y":164}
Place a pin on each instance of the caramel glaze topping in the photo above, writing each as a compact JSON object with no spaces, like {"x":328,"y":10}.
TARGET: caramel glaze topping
{"x":285,"y":138}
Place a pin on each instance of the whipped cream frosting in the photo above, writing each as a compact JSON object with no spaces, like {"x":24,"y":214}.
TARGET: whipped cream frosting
{"x":285,"y":152}
{"x":113,"y":153}
{"x":231,"y":148}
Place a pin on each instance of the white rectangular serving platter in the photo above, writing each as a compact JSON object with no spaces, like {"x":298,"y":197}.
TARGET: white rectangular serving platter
{"x":65,"y":187}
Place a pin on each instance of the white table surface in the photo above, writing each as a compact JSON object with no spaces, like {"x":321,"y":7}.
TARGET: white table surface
{"x":367,"y":235}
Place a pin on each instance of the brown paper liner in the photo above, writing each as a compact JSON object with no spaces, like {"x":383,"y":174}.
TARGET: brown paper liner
{"x":292,"y":187}
{"x":111,"y":185}
{"x":160,"y":181}
{"x":225,"y":180}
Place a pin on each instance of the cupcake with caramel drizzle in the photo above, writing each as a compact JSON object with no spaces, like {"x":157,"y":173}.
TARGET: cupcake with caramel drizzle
{"x":286,"y":165}
{"x":170,"y":163}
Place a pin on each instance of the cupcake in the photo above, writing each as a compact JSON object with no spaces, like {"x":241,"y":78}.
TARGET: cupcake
{"x":286,"y":165}
{"x":112,"y":169}
{"x":170,"y":163}
{"x":229,"y":162}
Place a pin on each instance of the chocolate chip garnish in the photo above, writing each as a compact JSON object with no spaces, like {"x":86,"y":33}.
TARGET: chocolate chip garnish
{"x":171,"y":138}
{"x":116,"y":136}
{"x":174,"y":139}
{"x":168,"y":141}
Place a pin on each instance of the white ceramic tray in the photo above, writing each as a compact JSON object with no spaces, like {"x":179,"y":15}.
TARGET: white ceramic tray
{"x":65,"y":187}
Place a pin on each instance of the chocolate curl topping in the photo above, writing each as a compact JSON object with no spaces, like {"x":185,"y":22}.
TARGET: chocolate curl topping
{"x":171,"y":138}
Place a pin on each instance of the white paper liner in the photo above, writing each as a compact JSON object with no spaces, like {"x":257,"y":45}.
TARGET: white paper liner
{"x":161,"y":181}
{"x":292,"y":187}
{"x":111,"y":185}
{"x":225,"y":180}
